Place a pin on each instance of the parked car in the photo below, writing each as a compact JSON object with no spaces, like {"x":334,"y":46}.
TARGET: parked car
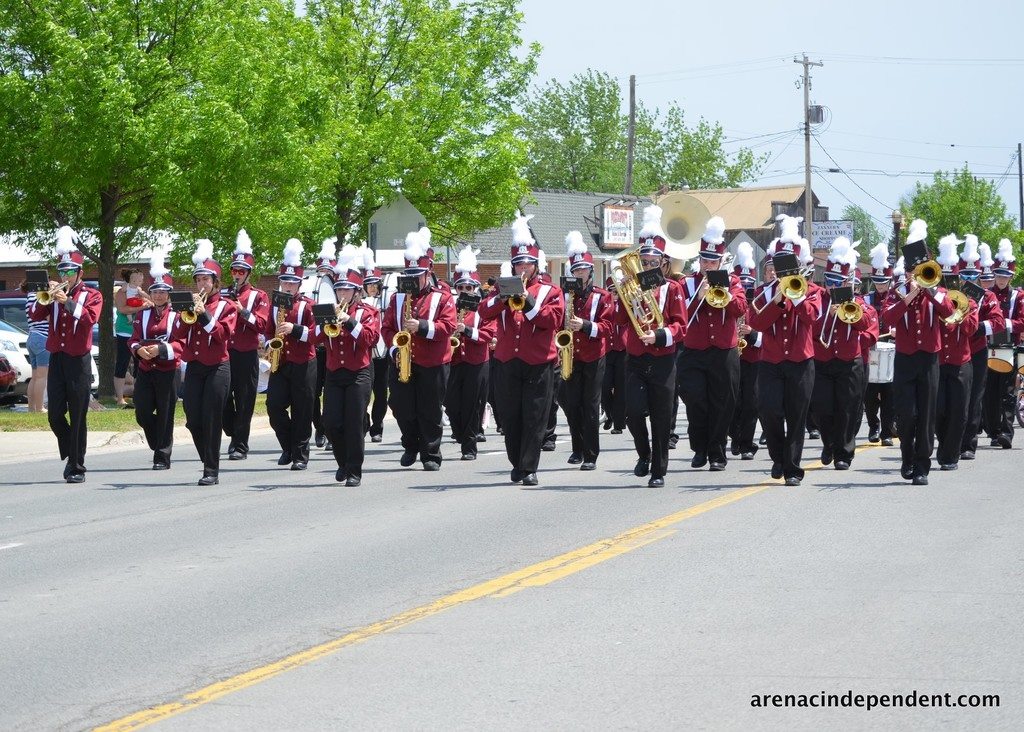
{"x":14,"y":345}
{"x":8,"y":376}
{"x":12,"y":311}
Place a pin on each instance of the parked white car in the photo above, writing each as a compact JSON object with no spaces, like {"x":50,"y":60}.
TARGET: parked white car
{"x":14,"y":345}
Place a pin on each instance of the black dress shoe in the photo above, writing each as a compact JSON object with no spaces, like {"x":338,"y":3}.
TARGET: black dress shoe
{"x":826,"y":457}
{"x":318,"y":439}
{"x":792,"y":480}
{"x":616,"y":431}
{"x":747,"y":456}
{"x":762,"y":440}
{"x":673,"y":440}
{"x":286,"y":457}
{"x":588,"y":466}
{"x":967,"y":455}
{"x":1004,"y":442}
{"x":717,"y":467}
{"x":299,"y":465}
{"x":75,"y":478}
{"x":481,"y":437}
{"x":920,"y":480}
{"x":500,"y":430}
{"x":431,"y":466}
{"x":607,"y":424}
{"x":642,"y":468}
{"x":548,"y":447}
{"x":530,"y":479}
{"x":575,"y":459}
{"x":468,"y":456}
{"x":887,"y":442}
{"x":699,"y":460}
{"x":813,"y":435}
{"x":341,"y":476}
{"x":160,"y":466}
{"x":734,"y":449}
{"x":408,"y":458}
{"x":208,"y":480}
{"x":776,"y":470}
{"x":873,"y":437}
{"x":842,"y":465}
{"x":236,"y":455}
{"x":516,"y":475}
{"x":376,"y":438}
{"x":994,"y":442}
{"x":907,"y":473}
{"x":948,"y":466}
{"x":353,"y":481}
{"x":656,"y":483}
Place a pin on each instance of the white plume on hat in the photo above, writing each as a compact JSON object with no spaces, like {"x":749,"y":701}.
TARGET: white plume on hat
{"x":970,"y":253}
{"x":67,"y":241}
{"x":789,"y":228}
{"x":574,"y":244}
{"x":204,"y":251}
{"x":505,"y":270}
{"x":414,"y":246}
{"x":521,"y":230}
{"x":985,"y":255}
{"x":899,"y":269}
{"x":652,"y":223}
{"x":853,"y":256}
{"x":348,"y":258}
{"x":426,"y":235}
{"x":714,"y":231}
{"x":243,"y":244}
{"x":695,"y":266}
{"x":805,"y":252}
{"x":880,"y":256}
{"x":840,"y":250}
{"x":918,"y":231}
{"x":542,"y":261}
{"x":328,"y":249}
{"x":369,"y":263}
{"x":467,"y":260}
{"x":292,"y":253}
{"x":745,"y":255}
{"x":1005,"y":252}
{"x":948,"y":256}
{"x":157,"y":268}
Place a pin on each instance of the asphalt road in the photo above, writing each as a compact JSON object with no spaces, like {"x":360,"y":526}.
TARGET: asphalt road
{"x":401,"y":604}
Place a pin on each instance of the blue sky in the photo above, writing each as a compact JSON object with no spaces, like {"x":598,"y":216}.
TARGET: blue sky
{"x":909,"y":87}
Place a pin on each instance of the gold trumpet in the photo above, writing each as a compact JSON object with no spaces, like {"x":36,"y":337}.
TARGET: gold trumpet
{"x":850,"y":312}
{"x":928,"y":274}
{"x":518,"y":302}
{"x":189,"y":317}
{"x":403,"y":342}
{"x":717,"y":297}
{"x":45,"y":297}
{"x":963,"y":306}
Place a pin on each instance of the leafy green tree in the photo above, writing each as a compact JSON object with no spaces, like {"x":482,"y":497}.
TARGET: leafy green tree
{"x":127,"y":117}
{"x":420,"y":98}
{"x":578,"y":137}
{"x":957,"y":202}
{"x":864,"y":229}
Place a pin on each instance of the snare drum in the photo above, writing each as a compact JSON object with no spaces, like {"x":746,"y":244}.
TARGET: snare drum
{"x":881,"y":363}
{"x":1000,"y":359}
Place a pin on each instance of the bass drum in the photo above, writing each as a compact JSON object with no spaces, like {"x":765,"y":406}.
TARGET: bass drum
{"x":881,"y":363}
{"x":1001,"y":359}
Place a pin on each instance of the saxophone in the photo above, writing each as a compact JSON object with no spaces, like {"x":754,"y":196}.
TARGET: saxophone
{"x":403,"y":342}
{"x":563,"y":339}
{"x":455,"y":341}
{"x":276,"y":344}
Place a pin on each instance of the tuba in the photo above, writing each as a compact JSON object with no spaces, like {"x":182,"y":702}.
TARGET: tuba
{"x":641,"y":307}
{"x":191,"y":316}
{"x":403,"y":342}
{"x":563,"y":339}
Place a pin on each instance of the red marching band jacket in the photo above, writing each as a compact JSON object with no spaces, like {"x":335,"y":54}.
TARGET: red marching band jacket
{"x":207,"y":344}
{"x":616,"y":338}
{"x":299,"y":345}
{"x":1011,"y":307}
{"x":990,"y":318}
{"x":474,"y":342}
{"x":710,"y":327}
{"x":590,"y":343}
{"x":957,"y":339}
{"x":353,"y":348}
{"x":435,"y":309}
{"x":919,"y":327}
{"x":846,"y":342}
{"x":71,"y":324}
{"x":673,"y":310}
{"x":787,"y":327}
{"x":246,"y":331}
{"x":527,"y":335}
{"x":149,"y":326}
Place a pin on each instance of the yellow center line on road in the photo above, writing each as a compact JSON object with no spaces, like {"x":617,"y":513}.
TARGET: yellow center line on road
{"x":536,"y":575}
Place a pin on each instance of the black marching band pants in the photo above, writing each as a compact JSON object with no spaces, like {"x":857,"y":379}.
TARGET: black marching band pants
{"x":879,"y":410}
{"x":467,"y":383}
{"x":68,"y":385}
{"x":346,"y":396}
{"x":205,"y":393}
{"x":318,"y":389}
{"x":580,"y":399}
{"x":241,"y":400}
{"x":417,"y":406}
{"x":835,"y":403}
{"x":291,"y":388}
{"x":650,"y":391}
{"x":915,"y":387}
{"x":523,"y":394}
{"x":999,"y":405}
{"x":155,"y":399}
{"x":975,"y":404}
{"x":379,"y":377}
{"x":709,"y":382}
{"x":951,"y":404}
{"x":784,"y":393}
{"x":744,"y":423}
{"x":613,"y":390}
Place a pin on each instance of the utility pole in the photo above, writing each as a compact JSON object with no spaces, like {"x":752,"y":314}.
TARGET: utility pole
{"x":1020,"y":187}
{"x":808,"y":200}
{"x":628,"y":189}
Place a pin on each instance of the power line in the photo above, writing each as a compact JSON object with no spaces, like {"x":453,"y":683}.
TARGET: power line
{"x":919,"y":157}
{"x":920,"y":142}
{"x":852,"y":203}
{"x":924,"y":61}
{"x":840,"y":167}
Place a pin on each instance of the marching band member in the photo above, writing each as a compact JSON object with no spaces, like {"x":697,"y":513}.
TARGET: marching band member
{"x":613,"y":390}
{"x":916,"y":313}
{"x":524,"y":355}
{"x":651,"y":363}
{"x":467,"y":382}
{"x":374,"y":297}
{"x":251,"y":308}
{"x":74,"y":309}
{"x":349,"y":373}
{"x":744,"y":422}
{"x":878,"y":398}
{"x":709,"y":364}
{"x":417,"y":403}
{"x":955,"y":370}
{"x":158,"y":356}
{"x":589,"y":323}
{"x":786,"y":377}
{"x":292,"y":384}
{"x":325,"y":263}
{"x":204,"y":347}
{"x":838,"y":361}
{"x":990,"y":318}
{"x":1000,"y":401}
{"x":550,"y":434}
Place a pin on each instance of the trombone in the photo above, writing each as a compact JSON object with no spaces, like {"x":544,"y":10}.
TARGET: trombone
{"x":191,"y":316}
{"x":928,"y":274}
{"x":45,"y":297}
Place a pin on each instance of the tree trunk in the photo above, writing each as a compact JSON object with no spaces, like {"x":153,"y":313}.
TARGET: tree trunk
{"x":344,"y":205}
{"x":107,"y":266}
